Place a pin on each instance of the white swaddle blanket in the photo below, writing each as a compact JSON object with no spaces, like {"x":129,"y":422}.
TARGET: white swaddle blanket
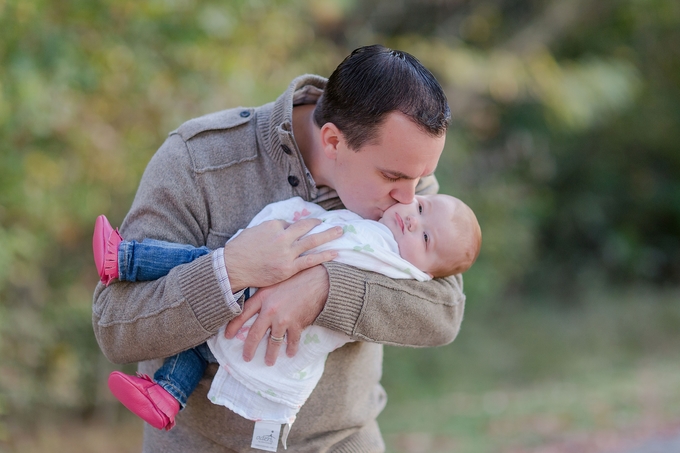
{"x":259,"y":392}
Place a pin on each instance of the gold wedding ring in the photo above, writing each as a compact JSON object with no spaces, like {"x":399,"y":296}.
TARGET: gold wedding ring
{"x":274,"y":339}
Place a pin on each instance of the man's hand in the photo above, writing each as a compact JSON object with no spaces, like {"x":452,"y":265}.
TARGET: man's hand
{"x":286,"y":308}
{"x":269,"y":253}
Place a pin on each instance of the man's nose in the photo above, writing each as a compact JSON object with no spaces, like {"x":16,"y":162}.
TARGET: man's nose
{"x":405,"y":192}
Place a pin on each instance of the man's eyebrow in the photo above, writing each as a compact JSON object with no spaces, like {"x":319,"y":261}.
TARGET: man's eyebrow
{"x":400,"y":175}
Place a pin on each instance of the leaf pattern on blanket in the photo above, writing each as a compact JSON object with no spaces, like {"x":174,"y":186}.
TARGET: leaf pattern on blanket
{"x":311,"y":339}
{"x":300,"y":214}
{"x":349,"y":229}
{"x":268,"y":392}
{"x":242,"y":333}
{"x":365,"y":248}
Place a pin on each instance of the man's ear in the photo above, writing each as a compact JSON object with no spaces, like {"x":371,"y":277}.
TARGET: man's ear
{"x":331,"y":137}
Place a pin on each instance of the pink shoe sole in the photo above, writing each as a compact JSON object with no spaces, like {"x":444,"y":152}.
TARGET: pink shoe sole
{"x":144,"y":398}
{"x":105,"y":241}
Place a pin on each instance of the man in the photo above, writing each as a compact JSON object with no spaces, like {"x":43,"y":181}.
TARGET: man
{"x":365,"y":139}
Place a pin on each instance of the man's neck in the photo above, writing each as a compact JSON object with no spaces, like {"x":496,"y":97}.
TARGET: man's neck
{"x":308,"y":139}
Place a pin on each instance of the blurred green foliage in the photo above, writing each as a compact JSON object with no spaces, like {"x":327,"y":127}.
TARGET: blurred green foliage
{"x":543,"y":378}
{"x":565,"y":141}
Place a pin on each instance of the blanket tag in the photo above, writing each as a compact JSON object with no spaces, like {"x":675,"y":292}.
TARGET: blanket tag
{"x":266,"y":435}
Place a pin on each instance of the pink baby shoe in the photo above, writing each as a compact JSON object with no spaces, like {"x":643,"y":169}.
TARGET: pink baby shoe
{"x":146,"y":399}
{"x":105,"y":243}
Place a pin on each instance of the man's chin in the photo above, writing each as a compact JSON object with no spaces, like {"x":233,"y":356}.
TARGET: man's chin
{"x":368,"y":213}
{"x":374,"y":214}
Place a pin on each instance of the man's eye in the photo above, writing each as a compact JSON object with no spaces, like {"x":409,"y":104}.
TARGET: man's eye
{"x":390,"y":178}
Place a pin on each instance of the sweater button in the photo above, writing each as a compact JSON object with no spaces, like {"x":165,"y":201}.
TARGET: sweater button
{"x":286,"y":149}
{"x":244,"y":114}
{"x":293,"y":181}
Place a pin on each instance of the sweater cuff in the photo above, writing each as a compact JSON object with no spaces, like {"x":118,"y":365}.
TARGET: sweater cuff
{"x":202,"y":292}
{"x":346,"y":294}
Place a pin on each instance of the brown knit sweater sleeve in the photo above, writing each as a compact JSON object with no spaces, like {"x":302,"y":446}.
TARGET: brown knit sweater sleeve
{"x":147,"y":320}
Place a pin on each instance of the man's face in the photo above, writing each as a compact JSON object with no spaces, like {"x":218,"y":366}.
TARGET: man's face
{"x":385,"y":171}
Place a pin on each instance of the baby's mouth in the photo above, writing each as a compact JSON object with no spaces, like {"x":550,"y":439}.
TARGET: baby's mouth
{"x":400,"y":223}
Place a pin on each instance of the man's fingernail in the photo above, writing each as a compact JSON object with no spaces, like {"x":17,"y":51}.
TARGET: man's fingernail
{"x":339,"y":230}
{"x":246,"y":358}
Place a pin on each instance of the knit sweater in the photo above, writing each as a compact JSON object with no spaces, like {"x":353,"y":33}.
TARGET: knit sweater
{"x":208,"y":180}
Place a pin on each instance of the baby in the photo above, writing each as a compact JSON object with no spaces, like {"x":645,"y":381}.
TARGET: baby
{"x":434,"y":236}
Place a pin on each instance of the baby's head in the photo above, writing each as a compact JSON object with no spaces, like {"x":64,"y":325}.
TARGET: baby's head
{"x":438,"y":234}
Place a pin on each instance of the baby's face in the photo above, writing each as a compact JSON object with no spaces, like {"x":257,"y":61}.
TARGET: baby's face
{"x":423,"y":229}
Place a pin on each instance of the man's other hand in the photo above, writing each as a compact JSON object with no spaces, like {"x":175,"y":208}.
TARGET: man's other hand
{"x":269,"y":253}
{"x":286,"y":308}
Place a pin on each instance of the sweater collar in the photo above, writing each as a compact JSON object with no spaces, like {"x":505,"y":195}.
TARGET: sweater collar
{"x":275,"y":120}
{"x":275,"y":125}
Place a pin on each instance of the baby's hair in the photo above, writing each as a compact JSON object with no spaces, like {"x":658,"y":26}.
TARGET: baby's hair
{"x":469,"y":237}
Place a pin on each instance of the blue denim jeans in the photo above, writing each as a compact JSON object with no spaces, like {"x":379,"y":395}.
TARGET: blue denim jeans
{"x":181,"y":373}
{"x":152,"y":259}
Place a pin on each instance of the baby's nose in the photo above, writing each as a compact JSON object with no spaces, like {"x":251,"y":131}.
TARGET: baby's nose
{"x":412,"y":222}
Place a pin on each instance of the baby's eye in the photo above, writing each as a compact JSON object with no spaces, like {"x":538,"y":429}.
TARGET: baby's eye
{"x":420,"y":209}
{"x":426,"y":237}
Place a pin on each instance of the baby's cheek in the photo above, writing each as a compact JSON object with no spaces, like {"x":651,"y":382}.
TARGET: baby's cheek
{"x":409,"y":252}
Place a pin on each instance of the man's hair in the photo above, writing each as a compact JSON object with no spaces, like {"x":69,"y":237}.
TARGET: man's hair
{"x":374,"y":81}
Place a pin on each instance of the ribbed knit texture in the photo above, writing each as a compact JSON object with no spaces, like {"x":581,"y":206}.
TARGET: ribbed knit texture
{"x":198,"y":284}
{"x":347,"y":291}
